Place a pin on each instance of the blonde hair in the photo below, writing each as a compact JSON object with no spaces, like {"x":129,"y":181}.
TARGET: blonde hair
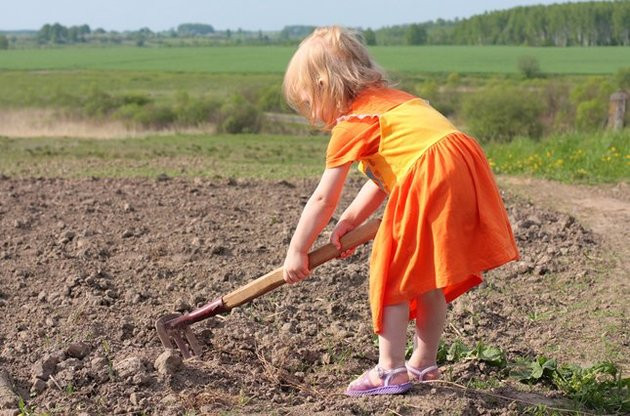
{"x":329,"y":69}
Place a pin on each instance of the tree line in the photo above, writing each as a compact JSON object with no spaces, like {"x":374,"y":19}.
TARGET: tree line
{"x":595,"y":23}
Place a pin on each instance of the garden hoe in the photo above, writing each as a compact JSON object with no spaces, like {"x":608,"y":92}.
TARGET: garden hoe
{"x":174,"y":329}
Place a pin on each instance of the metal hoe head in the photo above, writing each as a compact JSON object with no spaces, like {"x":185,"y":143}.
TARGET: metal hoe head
{"x":175,"y":336}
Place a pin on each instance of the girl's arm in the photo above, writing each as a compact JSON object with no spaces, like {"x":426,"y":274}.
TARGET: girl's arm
{"x":314,"y":218}
{"x":369,"y":198}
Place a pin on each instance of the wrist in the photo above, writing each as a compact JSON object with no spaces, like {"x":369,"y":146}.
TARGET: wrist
{"x":295,"y":250}
{"x":348,"y":219}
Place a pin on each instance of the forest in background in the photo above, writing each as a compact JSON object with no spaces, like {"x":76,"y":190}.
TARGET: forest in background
{"x":596,"y":23}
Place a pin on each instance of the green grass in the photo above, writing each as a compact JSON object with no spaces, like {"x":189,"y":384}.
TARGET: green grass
{"x":588,"y":158}
{"x":501,"y":59}
{"x":274,"y":59}
{"x":55,"y":88}
{"x":241,"y":156}
{"x":579,"y":157}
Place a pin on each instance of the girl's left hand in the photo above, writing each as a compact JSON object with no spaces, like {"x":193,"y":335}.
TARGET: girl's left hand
{"x":342,"y":228}
{"x":296,"y":267}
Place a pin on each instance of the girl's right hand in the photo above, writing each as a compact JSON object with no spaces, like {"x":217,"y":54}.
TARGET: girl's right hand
{"x":295,"y":267}
{"x":342,"y":228}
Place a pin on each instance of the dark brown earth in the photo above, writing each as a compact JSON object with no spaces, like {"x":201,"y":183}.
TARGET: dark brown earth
{"x":86,"y":266}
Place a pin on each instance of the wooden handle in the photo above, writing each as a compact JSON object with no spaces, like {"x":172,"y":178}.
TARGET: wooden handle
{"x":360,"y":235}
{"x":274,"y":279}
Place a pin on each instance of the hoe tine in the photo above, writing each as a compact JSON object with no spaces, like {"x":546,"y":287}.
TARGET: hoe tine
{"x":181,"y":338}
{"x":164,"y":333}
{"x":182,"y":345}
{"x":194,"y":345}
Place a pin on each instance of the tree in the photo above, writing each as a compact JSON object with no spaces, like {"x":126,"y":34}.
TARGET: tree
{"x":85,"y":30}
{"x":194,"y":29}
{"x":4,"y":42}
{"x":528,"y":66}
{"x":369,"y":36}
{"x":296,"y":32}
{"x":416,"y":34}
{"x":58,"y":33}
{"x":73,"y":34}
{"x":43,"y":35}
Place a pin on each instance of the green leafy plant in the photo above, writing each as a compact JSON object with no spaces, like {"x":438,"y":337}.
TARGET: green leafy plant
{"x":239,"y":116}
{"x":599,"y":387}
{"x":533,"y":371}
{"x":591,"y":98}
{"x":622,"y":78}
{"x":25,"y":410}
{"x":528,"y":66}
{"x":500,"y":113}
{"x":458,"y":351}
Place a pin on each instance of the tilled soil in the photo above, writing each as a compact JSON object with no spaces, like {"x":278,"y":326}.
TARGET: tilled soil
{"x":86,"y":267}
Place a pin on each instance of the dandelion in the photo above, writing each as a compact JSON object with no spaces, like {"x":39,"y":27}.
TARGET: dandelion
{"x":581,"y":173}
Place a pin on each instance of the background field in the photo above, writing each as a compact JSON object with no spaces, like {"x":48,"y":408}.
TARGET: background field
{"x":273,"y":59}
{"x":96,"y":224}
{"x":585,"y":158}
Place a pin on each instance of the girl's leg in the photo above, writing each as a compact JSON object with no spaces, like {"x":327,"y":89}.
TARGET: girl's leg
{"x":392,"y":342}
{"x":430,"y":317}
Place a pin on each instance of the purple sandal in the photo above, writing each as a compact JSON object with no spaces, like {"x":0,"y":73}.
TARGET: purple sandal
{"x":364,"y":387}
{"x":419,"y":373}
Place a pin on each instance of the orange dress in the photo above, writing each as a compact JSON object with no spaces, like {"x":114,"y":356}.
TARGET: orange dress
{"x":444,"y":222}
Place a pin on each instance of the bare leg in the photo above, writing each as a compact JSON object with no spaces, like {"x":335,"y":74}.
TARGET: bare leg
{"x":392,"y":342}
{"x":430,"y":317}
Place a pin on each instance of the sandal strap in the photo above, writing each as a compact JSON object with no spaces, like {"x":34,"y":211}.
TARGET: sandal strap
{"x":420,"y":373}
{"x":386,"y":375}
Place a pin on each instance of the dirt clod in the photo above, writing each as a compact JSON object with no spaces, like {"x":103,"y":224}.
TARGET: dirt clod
{"x":78,"y":350}
{"x":47,"y":365}
{"x":38,"y":386}
{"x":168,"y":362}
{"x":8,"y":398}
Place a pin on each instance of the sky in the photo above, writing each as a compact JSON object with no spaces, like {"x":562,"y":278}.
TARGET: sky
{"x":263,"y":15}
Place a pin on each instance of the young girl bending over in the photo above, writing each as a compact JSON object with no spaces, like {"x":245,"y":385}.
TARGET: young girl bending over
{"x":444,"y":221}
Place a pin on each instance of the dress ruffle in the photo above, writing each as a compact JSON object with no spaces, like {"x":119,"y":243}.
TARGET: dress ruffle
{"x":356,"y":116}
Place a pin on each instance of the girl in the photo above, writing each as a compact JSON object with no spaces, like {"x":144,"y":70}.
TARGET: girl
{"x":444,"y":221}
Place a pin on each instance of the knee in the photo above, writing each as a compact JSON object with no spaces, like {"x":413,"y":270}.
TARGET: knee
{"x":433,"y":297}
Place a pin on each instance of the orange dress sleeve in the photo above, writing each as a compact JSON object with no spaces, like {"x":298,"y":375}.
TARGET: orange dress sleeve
{"x":352,"y":140}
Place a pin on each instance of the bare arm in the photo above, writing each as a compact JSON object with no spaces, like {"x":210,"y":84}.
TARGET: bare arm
{"x":369,"y":198}
{"x":314,"y":218}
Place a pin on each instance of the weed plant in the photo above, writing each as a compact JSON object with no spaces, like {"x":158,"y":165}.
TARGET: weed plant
{"x":573,"y":157}
{"x":600,"y":387}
